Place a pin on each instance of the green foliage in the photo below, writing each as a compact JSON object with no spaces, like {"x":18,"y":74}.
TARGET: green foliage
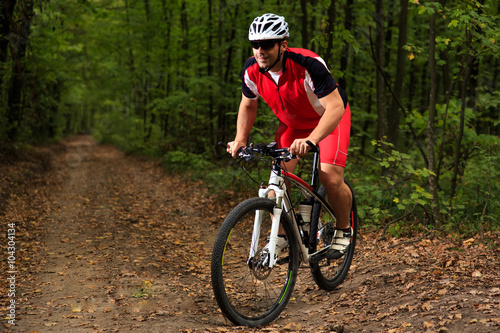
{"x":476,"y":202}
{"x":397,"y":191}
{"x":229,"y":177}
{"x":180,"y":161}
{"x":162,"y":78}
{"x":401,"y":190}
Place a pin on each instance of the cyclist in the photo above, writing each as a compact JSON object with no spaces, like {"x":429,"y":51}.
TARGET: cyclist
{"x":309,"y":104}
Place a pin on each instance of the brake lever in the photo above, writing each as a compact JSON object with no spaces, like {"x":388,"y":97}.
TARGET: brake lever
{"x":246,"y":153}
{"x":288,"y":157}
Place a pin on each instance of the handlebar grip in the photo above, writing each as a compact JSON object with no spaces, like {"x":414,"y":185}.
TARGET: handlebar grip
{"x":225,"y":146}
{"x":314,"y":148}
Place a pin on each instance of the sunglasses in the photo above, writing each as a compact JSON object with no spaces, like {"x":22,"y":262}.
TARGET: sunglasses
{"x":264,"y":44}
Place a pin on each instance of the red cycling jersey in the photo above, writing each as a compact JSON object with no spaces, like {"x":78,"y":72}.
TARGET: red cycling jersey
{"x":294,"y":99}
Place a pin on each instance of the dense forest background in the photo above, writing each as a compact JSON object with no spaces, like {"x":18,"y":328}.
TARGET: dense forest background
{"x":162,"y":77}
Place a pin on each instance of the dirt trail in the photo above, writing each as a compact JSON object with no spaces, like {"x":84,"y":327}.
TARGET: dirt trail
{"x":119,"y":246}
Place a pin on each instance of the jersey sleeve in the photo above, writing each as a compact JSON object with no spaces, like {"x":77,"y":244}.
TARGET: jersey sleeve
{"x":323,"y":81}
{"x":248,"y":87}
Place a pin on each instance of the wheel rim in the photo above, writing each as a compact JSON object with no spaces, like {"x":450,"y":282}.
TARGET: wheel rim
{"x":253,"y":292}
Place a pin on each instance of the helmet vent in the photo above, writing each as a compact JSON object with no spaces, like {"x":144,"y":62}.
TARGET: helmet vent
{"x":268,"y":26}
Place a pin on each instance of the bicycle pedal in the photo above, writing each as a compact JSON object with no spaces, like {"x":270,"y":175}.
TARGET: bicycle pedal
{"x":320,"y":255}
{"x":325,"y":253}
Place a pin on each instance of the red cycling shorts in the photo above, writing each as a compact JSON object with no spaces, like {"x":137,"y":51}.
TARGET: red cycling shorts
{"x":333,"y":148}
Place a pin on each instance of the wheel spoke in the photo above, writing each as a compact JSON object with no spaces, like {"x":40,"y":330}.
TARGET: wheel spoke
{"x":329,"y":273}
{"x":249,"y":292}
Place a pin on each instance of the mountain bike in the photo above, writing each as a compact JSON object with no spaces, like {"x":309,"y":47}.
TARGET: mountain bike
{"x":260,"y":244}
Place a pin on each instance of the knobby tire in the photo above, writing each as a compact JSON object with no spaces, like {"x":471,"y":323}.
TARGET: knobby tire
{"x":249,"y":294}
{"x":329,"y":273}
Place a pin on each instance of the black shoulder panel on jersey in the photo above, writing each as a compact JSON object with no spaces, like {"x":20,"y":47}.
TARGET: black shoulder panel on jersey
{"x":244,"y":88}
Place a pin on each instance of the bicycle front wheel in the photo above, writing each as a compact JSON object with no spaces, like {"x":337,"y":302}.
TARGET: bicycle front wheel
{"x":247,"y":291}
{"x":329,"y":273}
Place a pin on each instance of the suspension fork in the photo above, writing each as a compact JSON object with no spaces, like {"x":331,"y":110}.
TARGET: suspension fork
{"x":276,"y":184}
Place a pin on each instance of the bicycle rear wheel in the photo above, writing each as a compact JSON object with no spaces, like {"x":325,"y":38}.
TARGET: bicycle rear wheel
{"x":247,"y":292}
{"x":329,"y":273}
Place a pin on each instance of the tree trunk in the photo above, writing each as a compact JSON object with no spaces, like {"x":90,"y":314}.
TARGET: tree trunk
{"x":19,"y":44}
{"x":210,"y":72}
{"x":394,"y":110}
{"x":231,"y":38}
{"x":464,"y":93}
{"x":305,"y":37}
{"x":345,"y":47}
{"x":167,"y":15}
{"x":6,"y":11}
{"x":493,"y":111}
{"x":131,"y":61}
{"x":147,"y":125}
{"x":389,"y":27}
{"x":329,"y":31}
{"x":184,"y":45}
{"x":433,"y":186}
{"x":383,"y":126}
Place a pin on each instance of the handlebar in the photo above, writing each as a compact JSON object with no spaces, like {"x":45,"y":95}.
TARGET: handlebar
{"x":249,"y":153}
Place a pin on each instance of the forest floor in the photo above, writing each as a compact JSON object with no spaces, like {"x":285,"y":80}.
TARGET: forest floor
{"x":106,"y":242}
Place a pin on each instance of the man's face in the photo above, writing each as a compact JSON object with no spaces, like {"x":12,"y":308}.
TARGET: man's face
{"x":266,"y":52}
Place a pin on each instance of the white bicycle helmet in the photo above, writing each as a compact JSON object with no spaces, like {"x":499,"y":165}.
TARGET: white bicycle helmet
{"x":268,"y":26}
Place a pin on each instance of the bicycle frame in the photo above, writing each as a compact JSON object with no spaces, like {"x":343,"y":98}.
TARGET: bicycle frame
{"x":278,"y":185}
{"x":253,"y":285}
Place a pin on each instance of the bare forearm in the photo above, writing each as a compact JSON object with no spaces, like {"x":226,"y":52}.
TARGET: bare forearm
{"x":244,"y":125}
{"x":327,"y":124}
{"x":334,"y":110}
{"x":246,"y":119}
